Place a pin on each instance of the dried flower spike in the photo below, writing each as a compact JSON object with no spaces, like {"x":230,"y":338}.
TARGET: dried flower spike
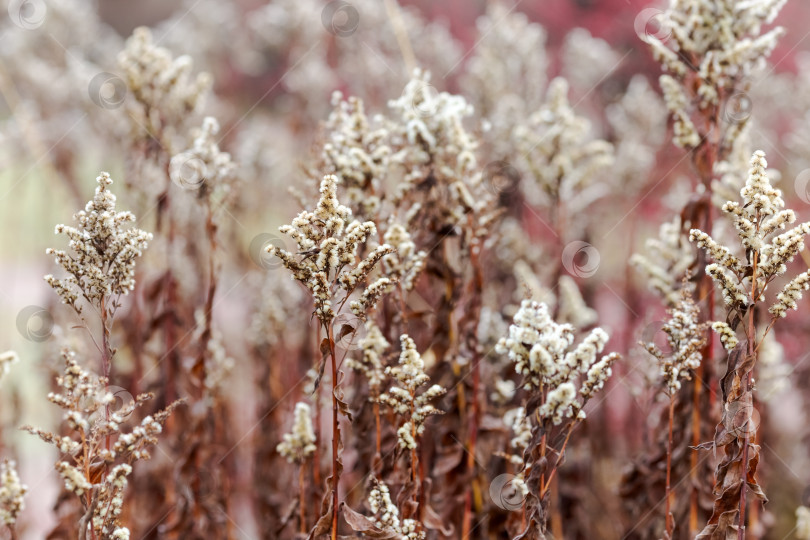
{"x":403,"y":398}
{"x":12,"y":493}
{"x":685,"y":337}
{"x":299,"y":444}
{"x":326,"y":262}
{"x":102,"y":262}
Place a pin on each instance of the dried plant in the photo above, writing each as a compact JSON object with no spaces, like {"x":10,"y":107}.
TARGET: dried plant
{"x":560,"y":379}
{"x":327,"y":265}
{"x":471,"y":158}
{"x":743,"y":281}
{"x":686,"y":339}
{"x":92,"y":465}
{"x":101,"y":267}
{"x":12,"y":496}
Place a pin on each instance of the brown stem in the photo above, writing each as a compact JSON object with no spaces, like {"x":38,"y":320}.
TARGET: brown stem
{"x":746,"y":387}
{"x":316,"y":456}
{"x":558,"y":461}
{"x":378,"y":434}
{"x":302,"y":501}
{"x":335,"y":432}
{"x":556,"y":517}
{"x":752,"y":338}
{"x":211,"y":232}
{"x":106,"y":361}
{"x":477,"y":292}
{"x":670,"y":522}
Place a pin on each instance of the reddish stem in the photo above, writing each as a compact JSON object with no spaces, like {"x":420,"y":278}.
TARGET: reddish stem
{"x":335,"y":432}
{"x":670,"y":522}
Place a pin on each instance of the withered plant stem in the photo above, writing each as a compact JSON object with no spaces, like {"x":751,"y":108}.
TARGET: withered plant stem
{"x":335,"y":431}
{"x":670,"y":521}
{"x":752,"y":337}
{"x":302,"y":499}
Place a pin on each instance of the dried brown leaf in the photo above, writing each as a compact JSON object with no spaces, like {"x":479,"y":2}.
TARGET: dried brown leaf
{"x":362,"y":524}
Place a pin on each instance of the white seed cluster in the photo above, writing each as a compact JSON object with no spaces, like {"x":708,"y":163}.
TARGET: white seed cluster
{"x":6,"y":359}
{"x":572,"y":307}
{"x":503,"y":391}
{"x":165,"y":92}
{"x":544,"y":353}
{"x":685,"y":337}
{"x":357,"y":153}
{"x":666,"y":261}
{"x":727,"y":336}
{"x":106,"y":515}
{"x":757,"y":220}
{"x":685,"y":134}
{"x":299,"y":444}
{"x":204,"y":165}
{"x":373,"y":345}
{"x":559,"y":154}
{"x":326,"y":261}
{"x":403,"y":398}
{"x":435,"y":151}
{"x":12,"y":493}
{"x":387,"y":514}
{"x":522,"y":428}
{"x":431,"y":124}
{"x":103,"y":251}
{"x":724,"y":37}
{"x":85,"y":399}
{"x":505,"y":93}
{"x":405,"y":264}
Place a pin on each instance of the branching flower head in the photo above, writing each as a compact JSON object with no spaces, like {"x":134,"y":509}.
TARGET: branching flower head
{"x":430,"y":122}
{"x":405,"y":263}
{"x":387,"y":514}
{"x":103,"y":251}
{"x":402,"y":397}
{"x":544,"y":353}
{"x":326,"y":262}
{"x":86,"y":453}
{"x":204,"y":165}
{"x":666,"y":261}
{"x":720,"y":41}
{"x":373,"y":345}
{"x":357,"y":152}
{"x":685,"y":337}
{"x":164,"y":91}
{"x":559,"y":154}
{"x":758,"y":219}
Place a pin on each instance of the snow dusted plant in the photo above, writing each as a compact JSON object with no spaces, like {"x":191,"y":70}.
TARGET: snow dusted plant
{"x":743,"y":279}
{"x":560,"y":378}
